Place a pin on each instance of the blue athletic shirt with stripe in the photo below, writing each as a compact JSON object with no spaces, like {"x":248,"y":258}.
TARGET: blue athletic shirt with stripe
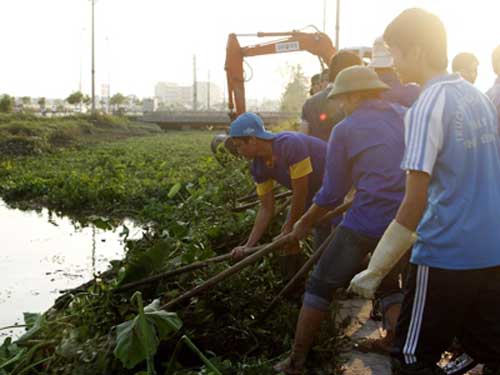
{"x":451,"y":133}
{"x":295,"y":155}
{"x":365,"y":151}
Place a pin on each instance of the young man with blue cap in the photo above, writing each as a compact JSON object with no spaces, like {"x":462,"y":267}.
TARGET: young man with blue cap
{"x":291,"y":159}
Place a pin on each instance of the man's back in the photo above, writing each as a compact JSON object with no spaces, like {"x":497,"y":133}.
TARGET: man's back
{"x":452,"y":134}
{"x":321,"y":115}
{"x":365,"y":151}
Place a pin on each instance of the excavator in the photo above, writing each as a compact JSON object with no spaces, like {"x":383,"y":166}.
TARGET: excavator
{"x":316,"y":43}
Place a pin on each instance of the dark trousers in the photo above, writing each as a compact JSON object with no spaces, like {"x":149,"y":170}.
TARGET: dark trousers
{"x":440,"y":305}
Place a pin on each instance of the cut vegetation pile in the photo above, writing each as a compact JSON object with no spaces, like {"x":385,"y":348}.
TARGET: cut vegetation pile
{"x":184,"y":199}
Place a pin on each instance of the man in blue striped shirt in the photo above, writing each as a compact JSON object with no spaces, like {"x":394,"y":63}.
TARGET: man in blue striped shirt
{"x":452,"y":200}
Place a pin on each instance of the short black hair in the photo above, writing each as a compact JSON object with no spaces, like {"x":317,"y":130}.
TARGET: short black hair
{"x":315,"y":79}
{"x":418,"y":27}
{"x":342,"y":60}
{"x":495,"y":60}
{"x":463,"y":60}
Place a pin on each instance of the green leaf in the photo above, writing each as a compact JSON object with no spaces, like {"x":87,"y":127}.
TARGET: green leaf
{"x":135,"y":342}
{"x":165,"y":322}
{"x":138,"y":339}
{"x":30,"y":319}
{"x":35,"y":327}
{"x":145,"y":263}
{"x":174,"y":190}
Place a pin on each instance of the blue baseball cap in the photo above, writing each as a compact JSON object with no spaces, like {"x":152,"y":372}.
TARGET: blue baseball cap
{"x":249,"y":124}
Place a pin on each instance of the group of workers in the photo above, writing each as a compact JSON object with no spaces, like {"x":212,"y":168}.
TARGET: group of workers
{"x":418,"y":149}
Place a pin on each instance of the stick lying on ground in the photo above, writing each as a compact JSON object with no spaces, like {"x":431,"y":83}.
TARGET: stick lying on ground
{"x":229,"y":272}
{"x":252,"y":204}
{"x":253,"y":195}
{"x":190,"y":267}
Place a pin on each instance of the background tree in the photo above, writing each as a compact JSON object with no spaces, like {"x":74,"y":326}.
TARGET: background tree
{"x":87,"y":100}
{"x":295,"y":93}
{"x":6,"y":103}
{"x":75,"y":98}
{"x":26,"y":100}
{"x":118,"y":99}
{"x":41,"y":102}
{"x":59,"y":105}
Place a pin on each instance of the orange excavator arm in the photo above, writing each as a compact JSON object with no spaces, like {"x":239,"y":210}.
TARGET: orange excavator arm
{"x":319,"y":44}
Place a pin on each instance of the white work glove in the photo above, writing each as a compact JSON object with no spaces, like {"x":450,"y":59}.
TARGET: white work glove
{"x":392,"y":246}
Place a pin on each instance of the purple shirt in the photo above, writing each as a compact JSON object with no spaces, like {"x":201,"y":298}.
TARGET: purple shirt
{"x":295,"y":155}
{"x":365,"y":151}
{"x":399,"y":93}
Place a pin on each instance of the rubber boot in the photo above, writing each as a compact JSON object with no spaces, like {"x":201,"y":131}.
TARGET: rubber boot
{"x":383,"y":345}
{"x":308,"y":326}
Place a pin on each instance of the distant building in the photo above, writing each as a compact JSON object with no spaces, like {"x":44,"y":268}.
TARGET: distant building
{"x":171,"y":94}
{"x":149,"y":104}
{"x":206,"y":101}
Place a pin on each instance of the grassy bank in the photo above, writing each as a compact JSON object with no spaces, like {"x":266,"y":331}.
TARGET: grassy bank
{"x":184,"y":198}
{"x":27,"y":134}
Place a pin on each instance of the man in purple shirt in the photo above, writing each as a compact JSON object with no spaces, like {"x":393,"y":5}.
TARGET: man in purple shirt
{"x":320,"y":115}
{"x":383,"y":63}
{"x":364,"y":152}
{"x":291,"y":159}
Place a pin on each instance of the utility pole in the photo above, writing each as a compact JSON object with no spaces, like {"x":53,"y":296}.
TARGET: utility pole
{"x":81,"y":58}
{"x":195,"y":86}
{"x":324,"y":16}
{"x":109,"y":77}
{"x":208,"y":90}
{"x":93,"y":59}
{"x":337,"y":27}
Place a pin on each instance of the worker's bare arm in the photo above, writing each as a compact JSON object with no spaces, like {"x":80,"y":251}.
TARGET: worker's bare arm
{"x":415,"y":200}
{"x":300,"y":191}
{"x":264,"y":216}
{"x":308,"y":220}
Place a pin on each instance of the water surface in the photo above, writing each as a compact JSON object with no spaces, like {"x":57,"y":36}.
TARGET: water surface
{"x":41,"y":255}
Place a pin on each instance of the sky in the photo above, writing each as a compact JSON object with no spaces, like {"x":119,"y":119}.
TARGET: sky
{"x":46,"y":43}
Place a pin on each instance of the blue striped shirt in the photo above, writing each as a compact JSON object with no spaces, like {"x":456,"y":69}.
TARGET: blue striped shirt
{"x":451,"y":133}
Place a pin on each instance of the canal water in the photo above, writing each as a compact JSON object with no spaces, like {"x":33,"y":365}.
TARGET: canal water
{"x":41,"y":254}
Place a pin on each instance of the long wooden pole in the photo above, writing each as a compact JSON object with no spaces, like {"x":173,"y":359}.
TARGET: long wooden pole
{"x":229,"y":272}
{"x":250,"y":260}
{"x":311,"y":261}
{"x":190,"y":267}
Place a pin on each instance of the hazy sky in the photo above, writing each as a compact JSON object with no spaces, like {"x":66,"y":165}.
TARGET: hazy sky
{"x":138,"y":43}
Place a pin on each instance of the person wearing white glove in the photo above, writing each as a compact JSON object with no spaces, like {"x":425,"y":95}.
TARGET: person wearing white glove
{"x":452,"y":201}
{"x":395,"y":242}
